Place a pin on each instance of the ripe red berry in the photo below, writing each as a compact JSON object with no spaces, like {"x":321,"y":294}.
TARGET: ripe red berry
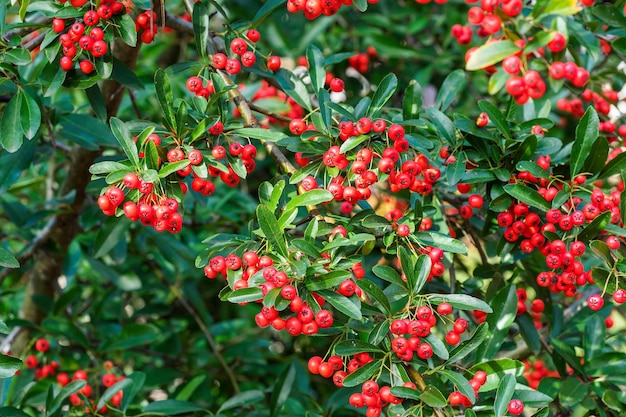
{"x":58,"y":25}
{"x":273,"y":63}
{"x":619,"y":296}
{"x":86,"y":66}
{"x":253,"y":35}
{"x":516,"y":407}
{"x":612,"y":242}
{"x":444,"y":309}
{"x":595,"y":302}
{"x":337,"y":85}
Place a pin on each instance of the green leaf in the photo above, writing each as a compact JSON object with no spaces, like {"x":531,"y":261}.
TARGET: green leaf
{"x":329,"y":280}
{"x":3,"y":328}
{"x":529,"y":332}
{"x":407,"y":261}
{"x":350,"y":306}
{"x":265,"y":10}
{"x":566,"y":352}
{"x":124,"y":138}
{"x":496,"y":369}
{"x":461,"y":301}
{"x":404,"y":392}
{"x":293,"y":87}
{"x":361,"y":5}
{"x":586,"y":135}
{"x":386,"y":88}
{"x":594,"y":337}
{"x":138,"y":379}
{"x":354,"y":346}
{"x":112,"y":390}
{"x":7,"y":260}
{"x":453,"y":84}
{"x":171,"y":407}
{"x":109,"y":235}
{"x":18,"y":56}
{"x":96,"y":100}
{"x":443,"y":242}
{"x":30,"y":116}
{"x":442,"y":123}
{"x":379,"y":299}
{"x":241,"y":399}
{"x":554,"y":7}
{"x":596,"y":160}
{"x":272,"y":231}
{"x":468,"y":346}
{"x":191,"y":387}
{"x":309,"y":198}
{"x":200,"y":18}
{"x":128,"y":30}
{"x":504,"y":394}
{"x":533,"y":168}
{"x":9,"y":365}
{"x":363,"y":373}
{"x":596,"y":226}
{"x":614,"y":166}
{"x":527,"y":195}
{"x":496,"y":117}
{"x":490,"y":54}
{"x":433,"y":397}
{"x":455,"y":171}
{"x":421,"y":272}
{"x":282,"y":389}
{"x":504,"y":305}
{"x":388,"y":274}
{"x":412,"y":101}
{"x":315,"y":58}
{"x":66,"y":328}
{"x":572,"y":392}
{"x":165,"y":97}
{"x":134,"y":335}
{"x":267,"y":135}
{"x":171,"y":167}
{"x":245,"y":295}
{"x":11,"y":138}
{"x":439,"y":348}
{"x":12,"y":411}
{"x":461,"y":383}
{"x":66,"y":391}
{"x":611,"y":15}
{"x":325,"y":111}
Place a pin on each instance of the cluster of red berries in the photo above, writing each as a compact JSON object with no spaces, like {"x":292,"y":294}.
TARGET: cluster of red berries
{"x":368,"y":167}
{"x":375,"y":397}
{"x":83,"y":398}
{"x":298,"y":317}
{"x":146,"y":26}
{"x":85,"y":39}
{"x":477,"y":381}
{"x":361,"y":61}
{"x":536,"y":371}
{"x":486,"y":17}
{"x":313,"y":9}
{"x":195,"y":85}
{"x":242,"y":55}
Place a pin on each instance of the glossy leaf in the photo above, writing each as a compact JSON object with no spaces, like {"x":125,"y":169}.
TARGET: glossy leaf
{"x":468,"y":346}
{"x":200,"y":19}
{"x":461,"y":383}
{"x":433,"y":397}
{"x":504,"y":394}
{"x":271,"y":229}
{"x":496,"y":117}
{"x":554,"y":7}
{"x":593,"y":337}
{"x":171,"y":407}
{"x":66,"y":391}
{"x":329,"y":280}
{"x":353,"y":346}
{"x":504,"y":305}
{"x":9,"y":365}
{"x":490,"y":54}
{"x":294,"y":87}
{"x":386,"y":88}
{"x":460,"y":301}
{"x":309,"y":198}
{"x":362,"y":374}
{"x":124,"y":138}
{"x":586,"y":135}
{"x":453,"y":84}
{"x":529,"y":332}
{"x":378,"y":298}
{"x":596,"y":226}
{"x":11,"y":138}
{"x":258,"y":133}
{"x":112,"y":390}
{"x":30,"y":116}
{"x":165,"y":97}
{"x":138,"y":379}
{"x":412,"y":101}
{"x":441,"y":241}
{"x":315,"y":58}
{"x":527,"y":195}
{"x":572,"y":392}
{"x":350,"y":306}
{"x":282,"y":389}
{"x":134,"y":335}
{"x":388,"y":274}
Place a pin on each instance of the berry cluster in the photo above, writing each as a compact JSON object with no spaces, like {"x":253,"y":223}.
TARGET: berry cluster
{"x":457,"y":398}
{"x":290,"y":311}
{"x":242,"y":55}
{"x":485,"y":18}
{"x":146,"y":26}
{"x":536,"y":371}
{"x":313,"y":9}
{"x":84,"y":398}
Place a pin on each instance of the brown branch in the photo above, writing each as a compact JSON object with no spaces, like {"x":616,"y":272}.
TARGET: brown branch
{"x":35,"y":42}
{"x":21,"y":31}
{"x":268,"y":113}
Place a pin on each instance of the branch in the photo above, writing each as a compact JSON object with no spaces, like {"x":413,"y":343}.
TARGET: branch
{"x":269,"y":113}
{"x":21,"y":31}
{"x":421,"y":385}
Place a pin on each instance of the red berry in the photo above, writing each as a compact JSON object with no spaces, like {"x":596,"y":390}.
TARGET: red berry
{"x":516,"y":407}
{"x":595,"y":302}
{"x":273,"y":63}
{"x":253,"y":35}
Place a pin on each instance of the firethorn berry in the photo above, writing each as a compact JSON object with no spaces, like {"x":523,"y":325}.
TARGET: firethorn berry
{"x":66,"y":63}
{"x":273,"y":63}
{"x":194,"y":84}
{"x":612,"y":242}
{"x":482,"y":120}
{"x":460,"y":325}
{"x":58,"y":25}
{"x":337,"y":85}
{"x":595,"y":302}
{"x":512,"y":65}
{"x":619,"y":296}
{"x":238,"y":46}
{"x":219,"y":60}
{"x":424,"y":351}
{"x":86,"y":66}
{"x":42,"y":345}
{"x":444,"y":309}
{"x":475,"y":201}
{"x":253,"y":35}
{"x":516,"y":407}
{"x":403,"y":230}
{"x":452,"y":338}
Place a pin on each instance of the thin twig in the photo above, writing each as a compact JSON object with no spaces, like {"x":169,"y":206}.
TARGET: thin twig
{"x":209,"y":338}
{"x":268,"y":113}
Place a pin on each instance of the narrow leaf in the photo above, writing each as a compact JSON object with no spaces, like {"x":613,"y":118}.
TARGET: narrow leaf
{"x":586,"y":135}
